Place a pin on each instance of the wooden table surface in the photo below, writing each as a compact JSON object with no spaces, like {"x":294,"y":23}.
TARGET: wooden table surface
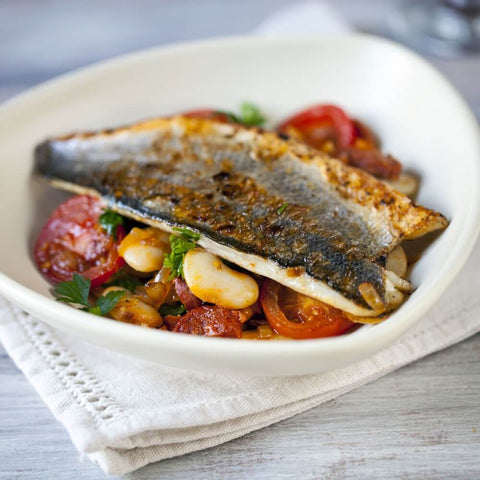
{"x":422,"y":421}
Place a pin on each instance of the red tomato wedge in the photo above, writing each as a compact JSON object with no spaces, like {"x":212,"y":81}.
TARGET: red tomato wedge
{"x":72,"y":241}
{"x":330,"y":129}
{"x":364,"y":136}
{"x":319,"y":123}
{"x":297,"y":316}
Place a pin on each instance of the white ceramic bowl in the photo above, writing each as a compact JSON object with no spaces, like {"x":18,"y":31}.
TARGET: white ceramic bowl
{"x":416,"y":112}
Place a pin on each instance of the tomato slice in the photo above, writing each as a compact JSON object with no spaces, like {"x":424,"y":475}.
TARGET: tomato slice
{"x":330,"y":129}
{"x":208,"y":114}
{"x":317,"y":124}
{"x":373,"y":161}
{"x":364,"y":136}
{"x":297,"y":316}
{"x":72,"y":241}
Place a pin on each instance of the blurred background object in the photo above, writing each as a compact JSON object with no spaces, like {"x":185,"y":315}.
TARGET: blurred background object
{"x":40,"y":39}
{"x":442,"y":27}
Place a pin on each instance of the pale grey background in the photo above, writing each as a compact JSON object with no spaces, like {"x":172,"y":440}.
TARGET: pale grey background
{"x":420,"y":422}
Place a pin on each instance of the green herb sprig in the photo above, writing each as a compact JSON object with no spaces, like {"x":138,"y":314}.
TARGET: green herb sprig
{"x":77,"y":290}
{"x":250,"y":115}
{"x":282,"y":208}
{"x":109,"y":221}
{"x":231,"y":117}
{"x":122,"y":279}
{"x":176,"y":309}
{"x":180,"y":245}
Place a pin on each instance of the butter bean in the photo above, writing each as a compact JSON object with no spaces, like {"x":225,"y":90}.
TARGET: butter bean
{"x":214,"y":282}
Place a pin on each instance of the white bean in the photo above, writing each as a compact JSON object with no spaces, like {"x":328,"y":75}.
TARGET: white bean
{"x":144,"y":249}
{"x":212,"y":281}
{"x":132,"y":309}
{"x":406,"y":183}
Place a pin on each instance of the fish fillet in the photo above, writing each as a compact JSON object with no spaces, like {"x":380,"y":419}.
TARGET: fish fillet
{"x":267,"y":203}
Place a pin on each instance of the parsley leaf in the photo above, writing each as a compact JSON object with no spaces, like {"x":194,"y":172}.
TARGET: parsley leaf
{"x":187,"y":233}
{"x":282,"y":208}
{"x":125,"y":281}
{"x":176,"y":309}
{"x":110,"y":220}
{"x":95,"y":311}
{"x":251,"y":115}
{"x":75,"y":291}
{"x":105,"y":303}
{"x":180,"y":245}
{"x":232,"y":117}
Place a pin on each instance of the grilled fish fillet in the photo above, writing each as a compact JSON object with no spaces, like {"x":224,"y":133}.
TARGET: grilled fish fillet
{"x":269,"y":204}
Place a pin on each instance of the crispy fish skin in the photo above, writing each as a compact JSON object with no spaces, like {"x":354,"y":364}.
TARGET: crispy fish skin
{"x":270,"y":204}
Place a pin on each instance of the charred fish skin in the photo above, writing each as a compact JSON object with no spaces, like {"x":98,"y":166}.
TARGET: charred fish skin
{"x":249,"y":191}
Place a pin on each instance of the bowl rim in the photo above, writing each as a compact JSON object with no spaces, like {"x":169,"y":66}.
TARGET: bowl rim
{"x":367,"y":340}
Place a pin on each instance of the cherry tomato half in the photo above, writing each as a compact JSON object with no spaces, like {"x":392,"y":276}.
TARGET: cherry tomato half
{"x":294,"y":315}
{"x":72,"y":241}
{"x":330,"y":129}
{"x":364,"y":136}
{"x":320,"y":123}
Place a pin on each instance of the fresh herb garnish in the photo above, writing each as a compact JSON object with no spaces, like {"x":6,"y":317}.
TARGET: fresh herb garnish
{"x":176,"y":309}
{"x":187,"y":233}
{"x":180,"y":245}
{"x":76,"y":291}
{"x":282,"y":208}
{"x":251,"y":115}
{"x":121,"y":279}
{"x":230,"y":116}
{"x":110,"y":220}
{"x":105,"y":303}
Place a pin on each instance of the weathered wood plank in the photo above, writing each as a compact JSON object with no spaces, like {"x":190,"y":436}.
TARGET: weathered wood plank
{"x":420,"y":422}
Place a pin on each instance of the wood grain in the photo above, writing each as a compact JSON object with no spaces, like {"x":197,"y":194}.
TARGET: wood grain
{"x":420,"y":422}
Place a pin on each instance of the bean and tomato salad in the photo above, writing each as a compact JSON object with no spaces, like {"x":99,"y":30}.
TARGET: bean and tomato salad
{"x":109,"y":266}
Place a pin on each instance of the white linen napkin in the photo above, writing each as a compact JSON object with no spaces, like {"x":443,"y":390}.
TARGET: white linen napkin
{"x":303,"y":18}
{"x":125,"y":413}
